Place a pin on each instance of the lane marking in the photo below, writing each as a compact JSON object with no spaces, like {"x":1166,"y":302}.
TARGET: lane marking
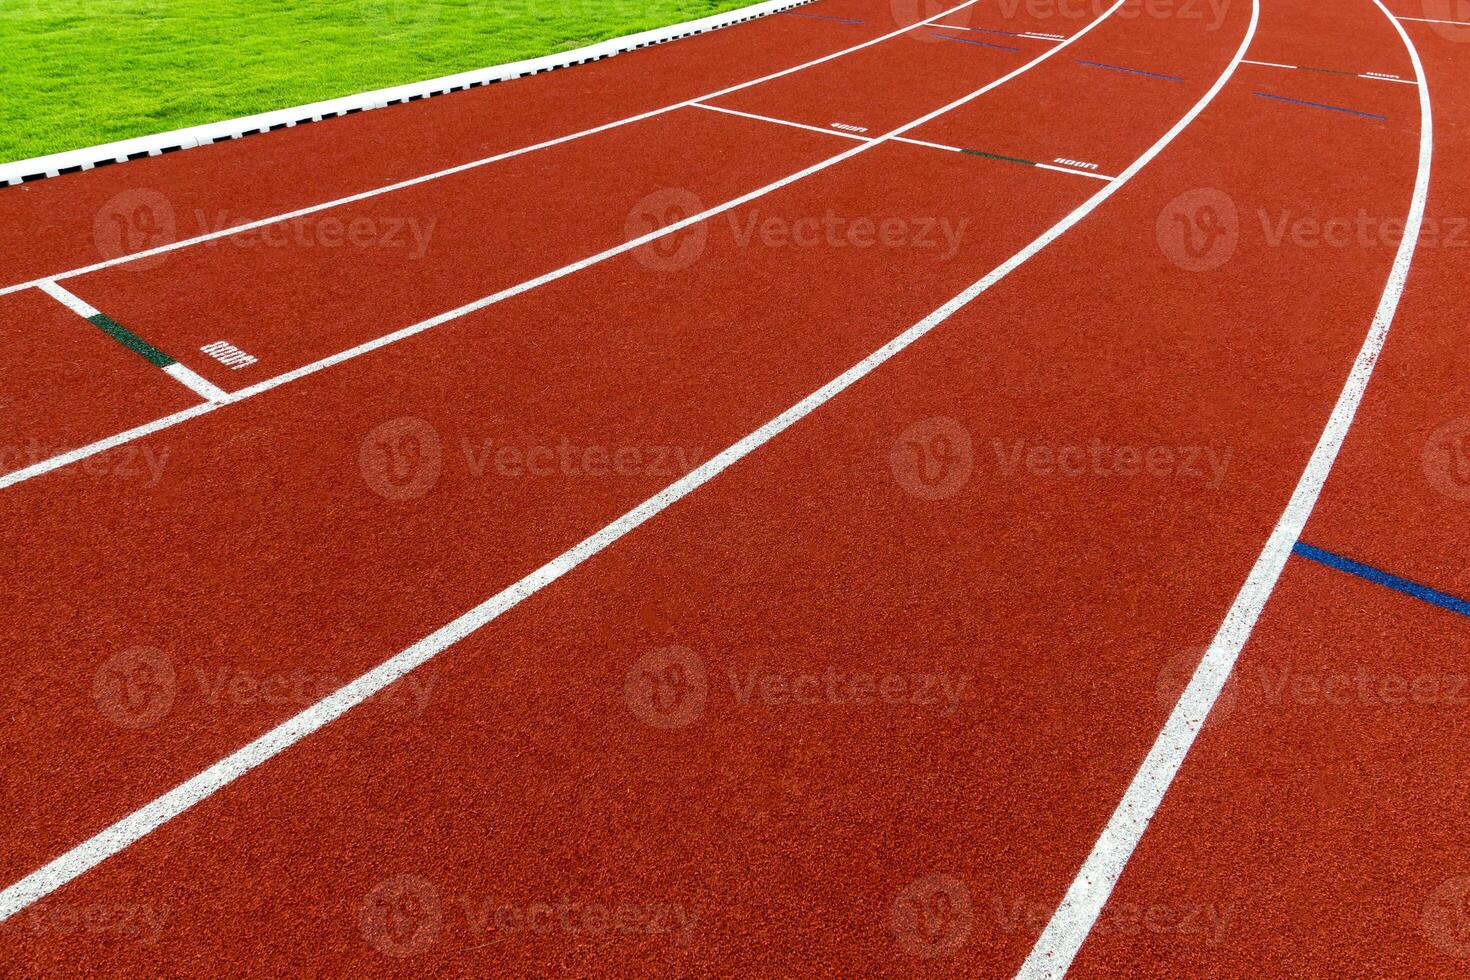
{"x":1319,"y":105}
{"x":46,"y":466}
{"x":134,"y":343}
{"x":849,"y":127}
{"x":1426,"y":20}
{"x":199,"y":385}
{"x":1074,"y":918}
{"x":146,"y":819}
{"x":991,"y":30}
{"x":1377,"y":76}
{"x":971,"y":40}
{"x":1131,"y":71}
{"x":1079,"y":164}
{"x":228,"y":354}
{"x":1379,"y":577}
{"x":905,"y":139}
{"x":472,"y":165}
{"x":779,"y":122}
{"x":999,"y":156}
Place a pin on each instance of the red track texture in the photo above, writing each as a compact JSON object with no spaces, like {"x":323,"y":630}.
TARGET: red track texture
{"x":931,"y":630}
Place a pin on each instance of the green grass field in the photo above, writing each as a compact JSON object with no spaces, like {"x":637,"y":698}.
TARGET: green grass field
{"x":79,"y":72}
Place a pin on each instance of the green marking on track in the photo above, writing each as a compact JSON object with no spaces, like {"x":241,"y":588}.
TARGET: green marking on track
{"x":1330,"y":71}
{"x":997,"y":156}
{"x":130,"y":340}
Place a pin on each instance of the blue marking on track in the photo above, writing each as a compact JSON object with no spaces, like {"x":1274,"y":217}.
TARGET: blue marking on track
{"x":971,"y":40}
{"x":845,"y":20}
{"x":1319,"y":105}
{"x":1131,"y":71}
{"x":1377,"y":577}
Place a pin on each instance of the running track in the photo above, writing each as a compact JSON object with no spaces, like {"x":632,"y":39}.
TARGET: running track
{"x":861,"y":491}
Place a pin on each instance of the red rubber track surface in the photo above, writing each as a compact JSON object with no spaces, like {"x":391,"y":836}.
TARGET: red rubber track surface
{"x":64,"y":383}
{"x":274,"y":557}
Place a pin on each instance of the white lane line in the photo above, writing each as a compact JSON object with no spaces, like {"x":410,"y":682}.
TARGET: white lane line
{"x":201,"y":387}
{"x":1074,"y":170}
{"x":1426,"y":20}
{"x":148,"y":818}
{"x":461,"y":168}
{"x":959,"y":149}
{"x":932,"y":146}
{"x":70,"y":300}
{"x":47,"y":465}
{"x":783,"y":122}
{"x":1089,"y":891}
{"x":1377,"y":76}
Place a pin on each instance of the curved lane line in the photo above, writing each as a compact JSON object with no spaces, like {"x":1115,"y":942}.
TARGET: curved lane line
{"x":149,"y":817}
{"x":111,"y":442}
{"x":473,"y":164}
{"x":1069,"y":926}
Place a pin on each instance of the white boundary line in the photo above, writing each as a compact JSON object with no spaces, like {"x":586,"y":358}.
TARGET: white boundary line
{"x":1063,"y":936}
{"x":47,"y":465}
{"x":869,"y":139}
{"x":201,"y":387}
{"x":473,"y":164}
{"x":784,"y":122}
{"x":1376,"y":76}
{"x":87,"y":158}
{"x":1426,"y":20}
{"x":148,"y":818}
